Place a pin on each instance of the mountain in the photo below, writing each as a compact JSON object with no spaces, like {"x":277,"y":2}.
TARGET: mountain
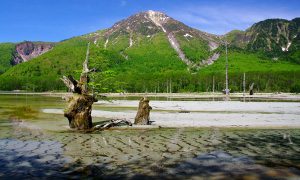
{"x":194,"y":47}
{"x":275,"y":37}
{"x":15,"y":53}
{"x":151,"y":51}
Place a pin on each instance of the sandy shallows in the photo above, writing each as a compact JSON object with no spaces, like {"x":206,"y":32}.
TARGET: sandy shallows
{"x":204,"y":114}
{"x":167,"y":153}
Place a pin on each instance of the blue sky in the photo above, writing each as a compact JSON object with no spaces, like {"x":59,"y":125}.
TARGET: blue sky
{"x":55,"y":20}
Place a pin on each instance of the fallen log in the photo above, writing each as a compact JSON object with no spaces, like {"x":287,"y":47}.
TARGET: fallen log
{"x":112,"y":123}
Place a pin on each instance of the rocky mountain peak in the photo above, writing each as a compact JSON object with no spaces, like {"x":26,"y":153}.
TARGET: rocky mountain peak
{"x":28,"y":50}
{"x":158,"y":18}
{"x":144,"y":23}
{"x":149,"y":24}
{"x":156,"y":13}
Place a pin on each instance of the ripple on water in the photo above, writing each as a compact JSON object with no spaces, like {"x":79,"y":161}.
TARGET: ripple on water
{"x":162,"y":153}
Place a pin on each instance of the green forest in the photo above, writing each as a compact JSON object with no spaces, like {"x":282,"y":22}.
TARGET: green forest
{"x":148,"y":71}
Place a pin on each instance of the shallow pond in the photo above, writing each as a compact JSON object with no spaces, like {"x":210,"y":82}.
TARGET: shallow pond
{"x":34,"y":144}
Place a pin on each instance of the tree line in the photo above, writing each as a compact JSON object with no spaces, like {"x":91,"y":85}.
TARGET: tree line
{"x":164,"y":82}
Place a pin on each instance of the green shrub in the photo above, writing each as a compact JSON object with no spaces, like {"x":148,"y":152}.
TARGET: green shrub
{"x":295,"y":88}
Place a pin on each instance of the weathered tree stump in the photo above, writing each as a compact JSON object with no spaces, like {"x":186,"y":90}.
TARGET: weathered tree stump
{"x":80,"y":104}
{"x":79,"y":111}
{"x":143,"y":115}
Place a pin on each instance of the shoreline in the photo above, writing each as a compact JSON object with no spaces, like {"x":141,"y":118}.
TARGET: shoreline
{"x":201,"y":95}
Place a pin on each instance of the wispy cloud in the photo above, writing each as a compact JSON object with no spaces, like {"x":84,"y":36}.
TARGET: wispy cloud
{"x":123,"y":3}
{"x":223,"y":18}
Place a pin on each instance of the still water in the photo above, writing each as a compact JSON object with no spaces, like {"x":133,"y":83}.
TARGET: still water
{"x":38,"y":145}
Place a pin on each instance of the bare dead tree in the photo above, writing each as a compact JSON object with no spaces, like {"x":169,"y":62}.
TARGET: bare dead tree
{"x":226,"y":73}
{"x":244,"y":86}
{"x":80,"y":104}
{"x":79,"y":109}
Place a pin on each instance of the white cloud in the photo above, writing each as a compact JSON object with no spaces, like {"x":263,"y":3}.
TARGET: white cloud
{"x":221,"y":19}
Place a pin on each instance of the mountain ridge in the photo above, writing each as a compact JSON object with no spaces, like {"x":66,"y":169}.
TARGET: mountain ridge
{"x":270,"y":35}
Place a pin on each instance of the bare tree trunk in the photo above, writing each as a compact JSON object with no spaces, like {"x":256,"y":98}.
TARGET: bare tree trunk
{"x":244,"y":86}
{"x":213,"y":88}
{"x":80,"y":104}
{"x":143,"y":115}
{"x":226,"y":72}
{"x":251,"y":89}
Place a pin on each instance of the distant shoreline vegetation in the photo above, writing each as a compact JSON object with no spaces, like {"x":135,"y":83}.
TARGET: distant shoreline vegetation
{"x":179,"y":83}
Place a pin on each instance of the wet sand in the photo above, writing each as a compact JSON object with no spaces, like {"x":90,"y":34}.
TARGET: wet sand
{"x":152,"y":153}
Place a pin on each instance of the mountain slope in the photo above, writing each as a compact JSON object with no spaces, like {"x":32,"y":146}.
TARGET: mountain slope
{"x":15,"y":53}
{"x":150,"y":51}
{"x":43,"y":71}
{"x":277,"y":38}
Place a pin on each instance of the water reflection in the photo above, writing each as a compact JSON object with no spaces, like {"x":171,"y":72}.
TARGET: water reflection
{"x":27,"y":159}
{"x":41,"y":147}
{"x":162,"y":153}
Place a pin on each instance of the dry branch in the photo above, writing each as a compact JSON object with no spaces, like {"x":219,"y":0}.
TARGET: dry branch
{"x":113,"y":123}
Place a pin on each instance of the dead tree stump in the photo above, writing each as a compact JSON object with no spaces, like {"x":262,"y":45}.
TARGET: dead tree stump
{"x":143,"y":115}
{"x":79,"y":111}
{"x":80,"y":104}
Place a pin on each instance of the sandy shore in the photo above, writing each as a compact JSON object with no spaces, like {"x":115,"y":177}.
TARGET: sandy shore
{"x":205,"y":113}
{"x":288,"y":96}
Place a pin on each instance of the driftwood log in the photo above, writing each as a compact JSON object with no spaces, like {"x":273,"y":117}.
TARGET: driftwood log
{"x":143,"y":114}
{"x":80,"y":104}
{"x":112,"y":123}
